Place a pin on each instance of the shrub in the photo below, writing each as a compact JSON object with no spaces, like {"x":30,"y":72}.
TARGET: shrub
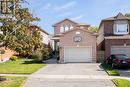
{"x":40,"y":55}
{"x":13,"y":58}
{"x":45,"y":54}
{"x":109,"y":70}
{"x":37,"y":56}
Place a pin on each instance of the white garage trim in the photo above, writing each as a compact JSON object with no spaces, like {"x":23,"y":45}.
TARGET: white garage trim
{"x":120,"y":46}
{"x":85,"y":47}
{"x":120,"y":50}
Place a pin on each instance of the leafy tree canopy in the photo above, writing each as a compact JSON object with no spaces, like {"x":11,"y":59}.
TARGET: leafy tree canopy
{"x":127,"y":14}
{"x":93,"y":29}
{"x":16,"y":33}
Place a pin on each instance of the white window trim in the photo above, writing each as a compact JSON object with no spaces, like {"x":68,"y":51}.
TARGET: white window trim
{"x":62,"y":29}
{"x":71,"y":27}
{"x":118,"y":23}
{"x":67,"y":28}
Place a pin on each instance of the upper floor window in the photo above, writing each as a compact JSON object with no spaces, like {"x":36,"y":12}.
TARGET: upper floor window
{"x":61,"y":29}
{"x":121,"y":27}
{"x":71,"y":27}
{"x":65,"y":28}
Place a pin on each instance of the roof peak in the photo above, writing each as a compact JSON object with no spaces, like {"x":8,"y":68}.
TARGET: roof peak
{"x":64,"y":20}
{"x":119,"y":16}
{"x":69,"y":19}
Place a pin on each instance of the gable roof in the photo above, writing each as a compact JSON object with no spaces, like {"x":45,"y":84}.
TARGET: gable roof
{"x":95,"y":34}
{"x":64,"y":20}
{"x":120,"y":16}
{"x":78,"y":24}
{"x":36,"y":27}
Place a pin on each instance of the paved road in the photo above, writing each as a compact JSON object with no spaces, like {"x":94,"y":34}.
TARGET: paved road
{"x":70,"y":75}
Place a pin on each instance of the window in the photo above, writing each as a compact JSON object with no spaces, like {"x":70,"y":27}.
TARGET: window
{"x":71,"y":27}
{"x":61,"y":29}
{"x":121,"y":28}
{"x":77,"y":39}
{"x":66,"y":28}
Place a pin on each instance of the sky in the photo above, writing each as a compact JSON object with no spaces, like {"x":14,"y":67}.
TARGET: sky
{"x":82,"y":11}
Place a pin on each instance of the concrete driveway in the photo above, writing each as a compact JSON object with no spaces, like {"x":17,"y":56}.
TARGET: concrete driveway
{"x":124,"y":72}
{"x":70,"y":75}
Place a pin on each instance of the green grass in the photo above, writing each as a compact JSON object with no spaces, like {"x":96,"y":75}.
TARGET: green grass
{"x":21,"y":66}
{"x":121,"y":82}
{"x":109,"y":70}
{"x":13,"y":82}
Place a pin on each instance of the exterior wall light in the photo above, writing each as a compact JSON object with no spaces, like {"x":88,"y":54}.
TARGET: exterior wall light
{"x":125,"y":44}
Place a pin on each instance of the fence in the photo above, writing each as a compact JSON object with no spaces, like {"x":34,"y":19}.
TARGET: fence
{"x":100,"y":56}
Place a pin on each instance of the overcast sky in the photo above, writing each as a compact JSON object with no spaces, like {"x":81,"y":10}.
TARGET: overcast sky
{"x":84,"y":11}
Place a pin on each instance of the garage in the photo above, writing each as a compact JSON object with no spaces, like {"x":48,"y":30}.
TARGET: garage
{"x":120,"y":50}
{"x":77,"y":46}
{"x":78,"y":54}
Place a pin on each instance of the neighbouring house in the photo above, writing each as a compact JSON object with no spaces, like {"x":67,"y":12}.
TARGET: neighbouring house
{"x":7,"y":54}
{"x":44,"y":34}
{"x":114,"y":35}
{"x":74,"y":42}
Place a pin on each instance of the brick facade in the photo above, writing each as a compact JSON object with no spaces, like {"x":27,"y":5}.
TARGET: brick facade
{"x":88,"y":40}
{"x":110,"y":42}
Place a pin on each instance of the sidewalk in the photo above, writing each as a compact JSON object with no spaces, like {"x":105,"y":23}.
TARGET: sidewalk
{"x":67,"y":76}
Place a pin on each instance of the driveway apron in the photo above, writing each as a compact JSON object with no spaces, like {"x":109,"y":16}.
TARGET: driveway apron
{"x":70,"y":75}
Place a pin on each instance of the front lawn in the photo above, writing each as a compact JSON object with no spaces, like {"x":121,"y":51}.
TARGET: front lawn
{"x":121,"y":82}
{"x":109,"y":70}
{"x":21,"y":66}
{"x":13,"y":81}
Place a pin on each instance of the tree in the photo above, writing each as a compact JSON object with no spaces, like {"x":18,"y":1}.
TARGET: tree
{"x":127,"y":15}
{"x":93,"y":29}
{"x":16,"y":34}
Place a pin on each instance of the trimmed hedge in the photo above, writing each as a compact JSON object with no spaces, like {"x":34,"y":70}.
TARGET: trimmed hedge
{"x":109,"y":70}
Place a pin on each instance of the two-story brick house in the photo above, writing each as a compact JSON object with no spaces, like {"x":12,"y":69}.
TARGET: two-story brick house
{"x":114,"y":35}
{"x":75,"y":42}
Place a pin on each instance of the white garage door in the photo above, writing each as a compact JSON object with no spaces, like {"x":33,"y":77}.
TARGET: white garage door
{"x":78,"y":54}
{"x":120,"y":50}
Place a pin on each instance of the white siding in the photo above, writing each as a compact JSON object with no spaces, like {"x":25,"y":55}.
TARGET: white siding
{"x":100,"y":38}
{"x":45,"y":38}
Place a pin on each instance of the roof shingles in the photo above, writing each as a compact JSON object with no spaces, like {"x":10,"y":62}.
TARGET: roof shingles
{"x":120,"y":16}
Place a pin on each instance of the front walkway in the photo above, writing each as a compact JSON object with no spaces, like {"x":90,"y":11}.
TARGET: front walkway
{"x":70,"y":75}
